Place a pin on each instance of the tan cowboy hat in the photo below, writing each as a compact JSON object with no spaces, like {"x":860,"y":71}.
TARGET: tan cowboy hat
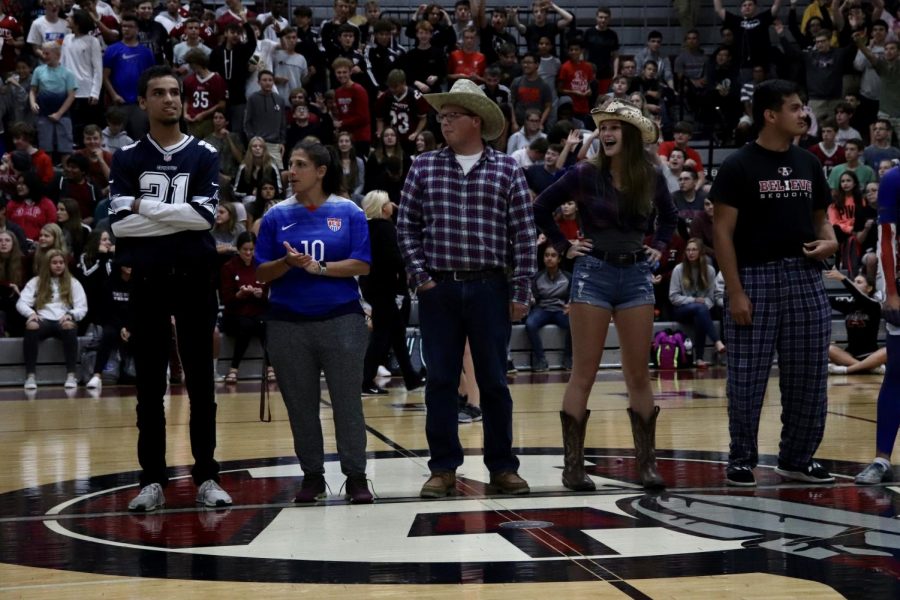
{"x":467,"y":94}
{"x":617,"y":110}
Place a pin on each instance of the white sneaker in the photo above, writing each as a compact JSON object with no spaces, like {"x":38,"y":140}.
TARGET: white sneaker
{"x":382,"y":372}
{"x":149,"y":498}
{"x":71,"y":382}
{"x":834,"y":369}
{"x":880,"y":370}
{"x":875,"y":473}
{"x":211,"y":494}
{"x":94,"y":382}
{"x":30,"y":383}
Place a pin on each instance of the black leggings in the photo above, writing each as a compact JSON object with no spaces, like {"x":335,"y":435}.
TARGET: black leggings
{"x":388,"y":331}
{"x":33,"y":338}
{"x":243,"y":329}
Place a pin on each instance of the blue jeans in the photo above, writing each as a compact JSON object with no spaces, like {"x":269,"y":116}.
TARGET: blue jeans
{"x":538,"y":318}
{"x":613,"y":287}
{"x":698,"y":316}
{"x":448,"y":314}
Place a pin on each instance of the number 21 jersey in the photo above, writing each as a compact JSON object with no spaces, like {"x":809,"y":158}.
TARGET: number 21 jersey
{"x":179,"y":190}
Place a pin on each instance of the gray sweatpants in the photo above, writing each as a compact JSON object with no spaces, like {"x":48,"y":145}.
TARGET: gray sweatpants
{"x":299,"y":351}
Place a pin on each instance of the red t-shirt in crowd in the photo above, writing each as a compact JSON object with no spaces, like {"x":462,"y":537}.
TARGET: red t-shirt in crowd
{"x":31,"y":216}
{"x":466,"y":63}
{"x":353,"y":111}
{"x":569,"y":228}
{"x":829,"y":162}
{"x":577,"y":77}
{"x":199,"y":94}
{"x":9,"y":30}
{"x":665,"y":149}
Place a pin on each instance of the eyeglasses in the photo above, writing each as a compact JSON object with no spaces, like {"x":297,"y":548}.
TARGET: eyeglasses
{"x":449,"y":117}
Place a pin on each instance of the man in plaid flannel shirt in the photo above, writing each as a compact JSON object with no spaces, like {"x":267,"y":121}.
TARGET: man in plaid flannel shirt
{"x":468,"y":237}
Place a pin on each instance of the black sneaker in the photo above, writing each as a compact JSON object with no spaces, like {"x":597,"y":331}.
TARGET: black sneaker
{"x":312,"y":489}
{"x":416,"y":384}
{"x":811,"y":473}
{"x":374,"y":390}
{"x":740,"y":476}
{"x":511,"y":368}
{"x":473,"y":411}
{"x":357,"y":490}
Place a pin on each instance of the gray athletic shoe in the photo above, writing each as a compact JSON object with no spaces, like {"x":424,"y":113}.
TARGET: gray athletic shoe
{"x":875,"y":473}
{"x":148,"y":499}
{"x":210,"y":494}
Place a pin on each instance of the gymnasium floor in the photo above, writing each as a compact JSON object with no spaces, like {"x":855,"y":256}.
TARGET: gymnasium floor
{"x":69,"y":469}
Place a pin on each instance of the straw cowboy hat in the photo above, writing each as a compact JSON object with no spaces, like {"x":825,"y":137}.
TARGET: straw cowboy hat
{"x":617,"y":110}
{"x":467,"y":94}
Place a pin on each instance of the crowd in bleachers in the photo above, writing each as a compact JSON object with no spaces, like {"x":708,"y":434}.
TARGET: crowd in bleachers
{"x":259,"y":78}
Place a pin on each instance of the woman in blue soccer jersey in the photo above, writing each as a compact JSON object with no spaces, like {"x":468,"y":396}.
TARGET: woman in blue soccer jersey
{"x":310,"y":249}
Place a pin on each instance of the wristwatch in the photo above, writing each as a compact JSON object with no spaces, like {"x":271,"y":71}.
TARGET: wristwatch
{"x":323,"y":267}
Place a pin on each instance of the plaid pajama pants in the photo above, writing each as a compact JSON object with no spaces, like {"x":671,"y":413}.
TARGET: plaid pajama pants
{"x":790,"y":314}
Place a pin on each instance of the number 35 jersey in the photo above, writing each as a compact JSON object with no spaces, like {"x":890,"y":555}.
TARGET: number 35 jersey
{"x":335,"y":231}
{"x":178,"y":188}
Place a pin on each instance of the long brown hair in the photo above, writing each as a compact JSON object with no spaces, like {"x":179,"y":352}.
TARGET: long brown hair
{"x":687,"y":279}
{"x":11,"y":265}
{"x":73,"y":226}
{"x":251,"y":163}
{"x":231,"y":223}
{"x":351,"y":179}
{"x":380,"y":150}
{"x":59,"y":243}
{"x":44,"y":293}
{"x":638,"y":176}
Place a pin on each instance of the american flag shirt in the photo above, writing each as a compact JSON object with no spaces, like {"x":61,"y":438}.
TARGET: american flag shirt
{"x":451,"y":221}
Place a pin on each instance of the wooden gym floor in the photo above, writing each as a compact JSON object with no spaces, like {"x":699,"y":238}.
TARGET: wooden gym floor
{"x":69,"y":469}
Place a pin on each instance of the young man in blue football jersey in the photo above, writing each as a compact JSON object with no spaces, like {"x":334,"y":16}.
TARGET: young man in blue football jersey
{"x":163,"y":197}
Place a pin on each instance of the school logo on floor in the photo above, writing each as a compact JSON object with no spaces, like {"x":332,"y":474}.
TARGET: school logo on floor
{"x":692,"y":529}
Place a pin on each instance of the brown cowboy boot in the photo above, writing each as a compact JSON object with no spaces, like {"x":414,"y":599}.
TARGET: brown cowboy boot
{"x":573,"y":475}
{"x":644,"y":433}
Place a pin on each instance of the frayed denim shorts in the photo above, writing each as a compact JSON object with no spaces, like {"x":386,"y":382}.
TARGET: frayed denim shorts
{"x":613,"y":287}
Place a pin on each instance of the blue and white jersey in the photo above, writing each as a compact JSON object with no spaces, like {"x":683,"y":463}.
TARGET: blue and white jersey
{"x":179,"y":190}
{"x":888,"y":247}
{"x":335,"y":231}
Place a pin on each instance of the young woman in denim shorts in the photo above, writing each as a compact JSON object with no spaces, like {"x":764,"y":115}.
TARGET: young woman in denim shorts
{"x":620,"y":194}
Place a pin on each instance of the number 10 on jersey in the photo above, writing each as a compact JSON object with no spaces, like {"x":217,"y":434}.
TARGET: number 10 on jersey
{"x":314,"y":248}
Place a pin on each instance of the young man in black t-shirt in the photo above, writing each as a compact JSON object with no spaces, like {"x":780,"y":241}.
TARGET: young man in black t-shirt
{"x":602,"y":46}
{"x":771,"y":235}
{"x":751,"y":32}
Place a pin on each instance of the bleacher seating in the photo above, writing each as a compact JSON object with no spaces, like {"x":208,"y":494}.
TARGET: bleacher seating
{"x":632,"y":22}
{"x":51,"y":366}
